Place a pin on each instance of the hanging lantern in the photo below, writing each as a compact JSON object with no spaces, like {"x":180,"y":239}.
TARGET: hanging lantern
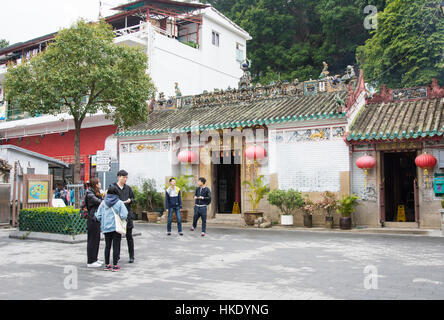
{"x":187,"y":156}
{"x":366,"y":162}
{"x":255,"y":152}
{"x":426,"y":162}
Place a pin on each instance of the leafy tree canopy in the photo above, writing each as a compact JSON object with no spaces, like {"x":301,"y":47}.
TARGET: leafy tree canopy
{"x":291,"y":38}
{"x":85,"y":72}
{"x":3,"y":43}
{"x":406,"y":49}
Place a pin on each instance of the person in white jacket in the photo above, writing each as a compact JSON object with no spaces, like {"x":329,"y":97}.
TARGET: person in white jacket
{"x":105,"y":214}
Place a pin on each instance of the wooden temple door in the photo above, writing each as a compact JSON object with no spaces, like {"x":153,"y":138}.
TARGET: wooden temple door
{"x":214,"y":191}
{"x":416,"y":195}
{"x":382,"y":191}
{"x":382,"y":202}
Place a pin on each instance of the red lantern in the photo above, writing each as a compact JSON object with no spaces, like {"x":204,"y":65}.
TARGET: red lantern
{"x":187,"y":156}
{"x":426,"y":162}
{"x":255,"y":152}
{"x":366,"y":162}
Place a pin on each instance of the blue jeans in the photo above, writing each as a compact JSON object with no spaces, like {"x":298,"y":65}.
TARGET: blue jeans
{"x":200,"y":212}
{"x":170,"y":219}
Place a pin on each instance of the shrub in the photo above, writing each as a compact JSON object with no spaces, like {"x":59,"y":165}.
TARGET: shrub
{"x":288,"y":201}
{"x":52,"y":220}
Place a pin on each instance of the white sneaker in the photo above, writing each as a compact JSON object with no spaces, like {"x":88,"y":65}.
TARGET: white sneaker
{"x":99,"y":261}
{"x":94,"y":265}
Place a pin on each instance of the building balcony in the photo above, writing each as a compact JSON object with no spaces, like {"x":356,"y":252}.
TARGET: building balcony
{"x":138,"y":35}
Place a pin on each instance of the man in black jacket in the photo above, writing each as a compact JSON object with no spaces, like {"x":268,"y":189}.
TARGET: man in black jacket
{"x":202,"y":199}
{"x":127,"y":196}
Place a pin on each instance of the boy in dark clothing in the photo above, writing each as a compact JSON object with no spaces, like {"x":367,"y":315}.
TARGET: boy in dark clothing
{"x":202,"y":199}
{"x":127,"y":196}
{"x":173,"y":202}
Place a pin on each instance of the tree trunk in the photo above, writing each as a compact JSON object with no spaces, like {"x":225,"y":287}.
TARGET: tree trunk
{"x":78,"y":125}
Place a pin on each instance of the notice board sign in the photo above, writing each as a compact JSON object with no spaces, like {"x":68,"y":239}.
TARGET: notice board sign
{"x":38,"y":191}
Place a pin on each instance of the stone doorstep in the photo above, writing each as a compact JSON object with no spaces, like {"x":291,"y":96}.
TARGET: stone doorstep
{"x":53,"y":237}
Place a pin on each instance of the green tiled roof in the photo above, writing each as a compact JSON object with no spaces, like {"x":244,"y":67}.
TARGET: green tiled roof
{"x":241,"y":114}
{"x":399,"y":120}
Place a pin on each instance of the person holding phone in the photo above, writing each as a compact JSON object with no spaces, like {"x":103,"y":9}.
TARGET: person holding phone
{"x":202,"y":198}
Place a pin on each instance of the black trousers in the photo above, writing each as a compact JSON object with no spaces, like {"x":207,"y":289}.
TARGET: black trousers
{"x":93,"y":239}
{"x":130,"y":241}
{"x":114,"y":239}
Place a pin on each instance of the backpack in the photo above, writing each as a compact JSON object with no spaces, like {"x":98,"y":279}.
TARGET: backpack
{"x":84,"y":208}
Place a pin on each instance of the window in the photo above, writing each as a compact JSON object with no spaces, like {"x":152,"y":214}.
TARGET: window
{"x":215,"y":38}
{"x":239,"y":52}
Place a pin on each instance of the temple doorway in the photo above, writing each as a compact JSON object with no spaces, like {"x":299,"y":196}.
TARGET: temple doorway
{"x":226,"y":181}
{"x":399,"y":186}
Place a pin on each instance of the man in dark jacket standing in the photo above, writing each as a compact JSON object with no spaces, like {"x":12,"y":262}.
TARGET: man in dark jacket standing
{"x":202,"y":199}
{"x":127,"y":196}
{"x":173,"y":203}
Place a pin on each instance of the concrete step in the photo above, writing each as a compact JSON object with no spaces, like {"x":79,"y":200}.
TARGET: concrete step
{"x":401,"y":225}
{"x":396,"y":230}
{"x":228,"y":217}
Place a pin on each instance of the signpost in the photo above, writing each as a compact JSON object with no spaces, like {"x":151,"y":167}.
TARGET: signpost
{"x":103,"y":160}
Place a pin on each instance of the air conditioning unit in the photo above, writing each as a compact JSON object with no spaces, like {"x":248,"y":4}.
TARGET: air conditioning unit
{"x":441,"y":159}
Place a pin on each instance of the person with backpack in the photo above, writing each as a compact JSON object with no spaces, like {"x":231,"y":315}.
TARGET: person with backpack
{"x":92,"y":201}
{"x":173,"y":202}
{"x":202,"y":198}
{"x":111,"y":206}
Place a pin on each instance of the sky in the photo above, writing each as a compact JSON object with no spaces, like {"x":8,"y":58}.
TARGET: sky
{"x":22,"y":20}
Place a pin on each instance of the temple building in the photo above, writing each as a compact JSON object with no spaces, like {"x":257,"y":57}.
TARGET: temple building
{"x":313,"y":133}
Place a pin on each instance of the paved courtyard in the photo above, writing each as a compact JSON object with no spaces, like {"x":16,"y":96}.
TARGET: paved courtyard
{"x":231,"y":264}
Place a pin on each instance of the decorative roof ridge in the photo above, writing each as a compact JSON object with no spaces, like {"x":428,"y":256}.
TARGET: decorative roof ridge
{"x":431,"y":91}
{"x":397,"y":102}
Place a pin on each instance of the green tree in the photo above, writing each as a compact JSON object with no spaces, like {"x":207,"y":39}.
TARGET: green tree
{"x":3,"y":43}
{"x":406,"y":50}
{"x":342,"y":29}
{"x":84,"y":72}
{"x":292,"y":38}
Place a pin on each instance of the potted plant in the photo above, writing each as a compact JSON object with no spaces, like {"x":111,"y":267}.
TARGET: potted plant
{"x":138,"y":200}
{"x":257,"y":192}
{"x":287,"y":202}
{"x":148,"y":199}
{"x":308,"y":209}
{"x":185,"y":184}
{"x":346,"y":207}
{"x":329,"y":203}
